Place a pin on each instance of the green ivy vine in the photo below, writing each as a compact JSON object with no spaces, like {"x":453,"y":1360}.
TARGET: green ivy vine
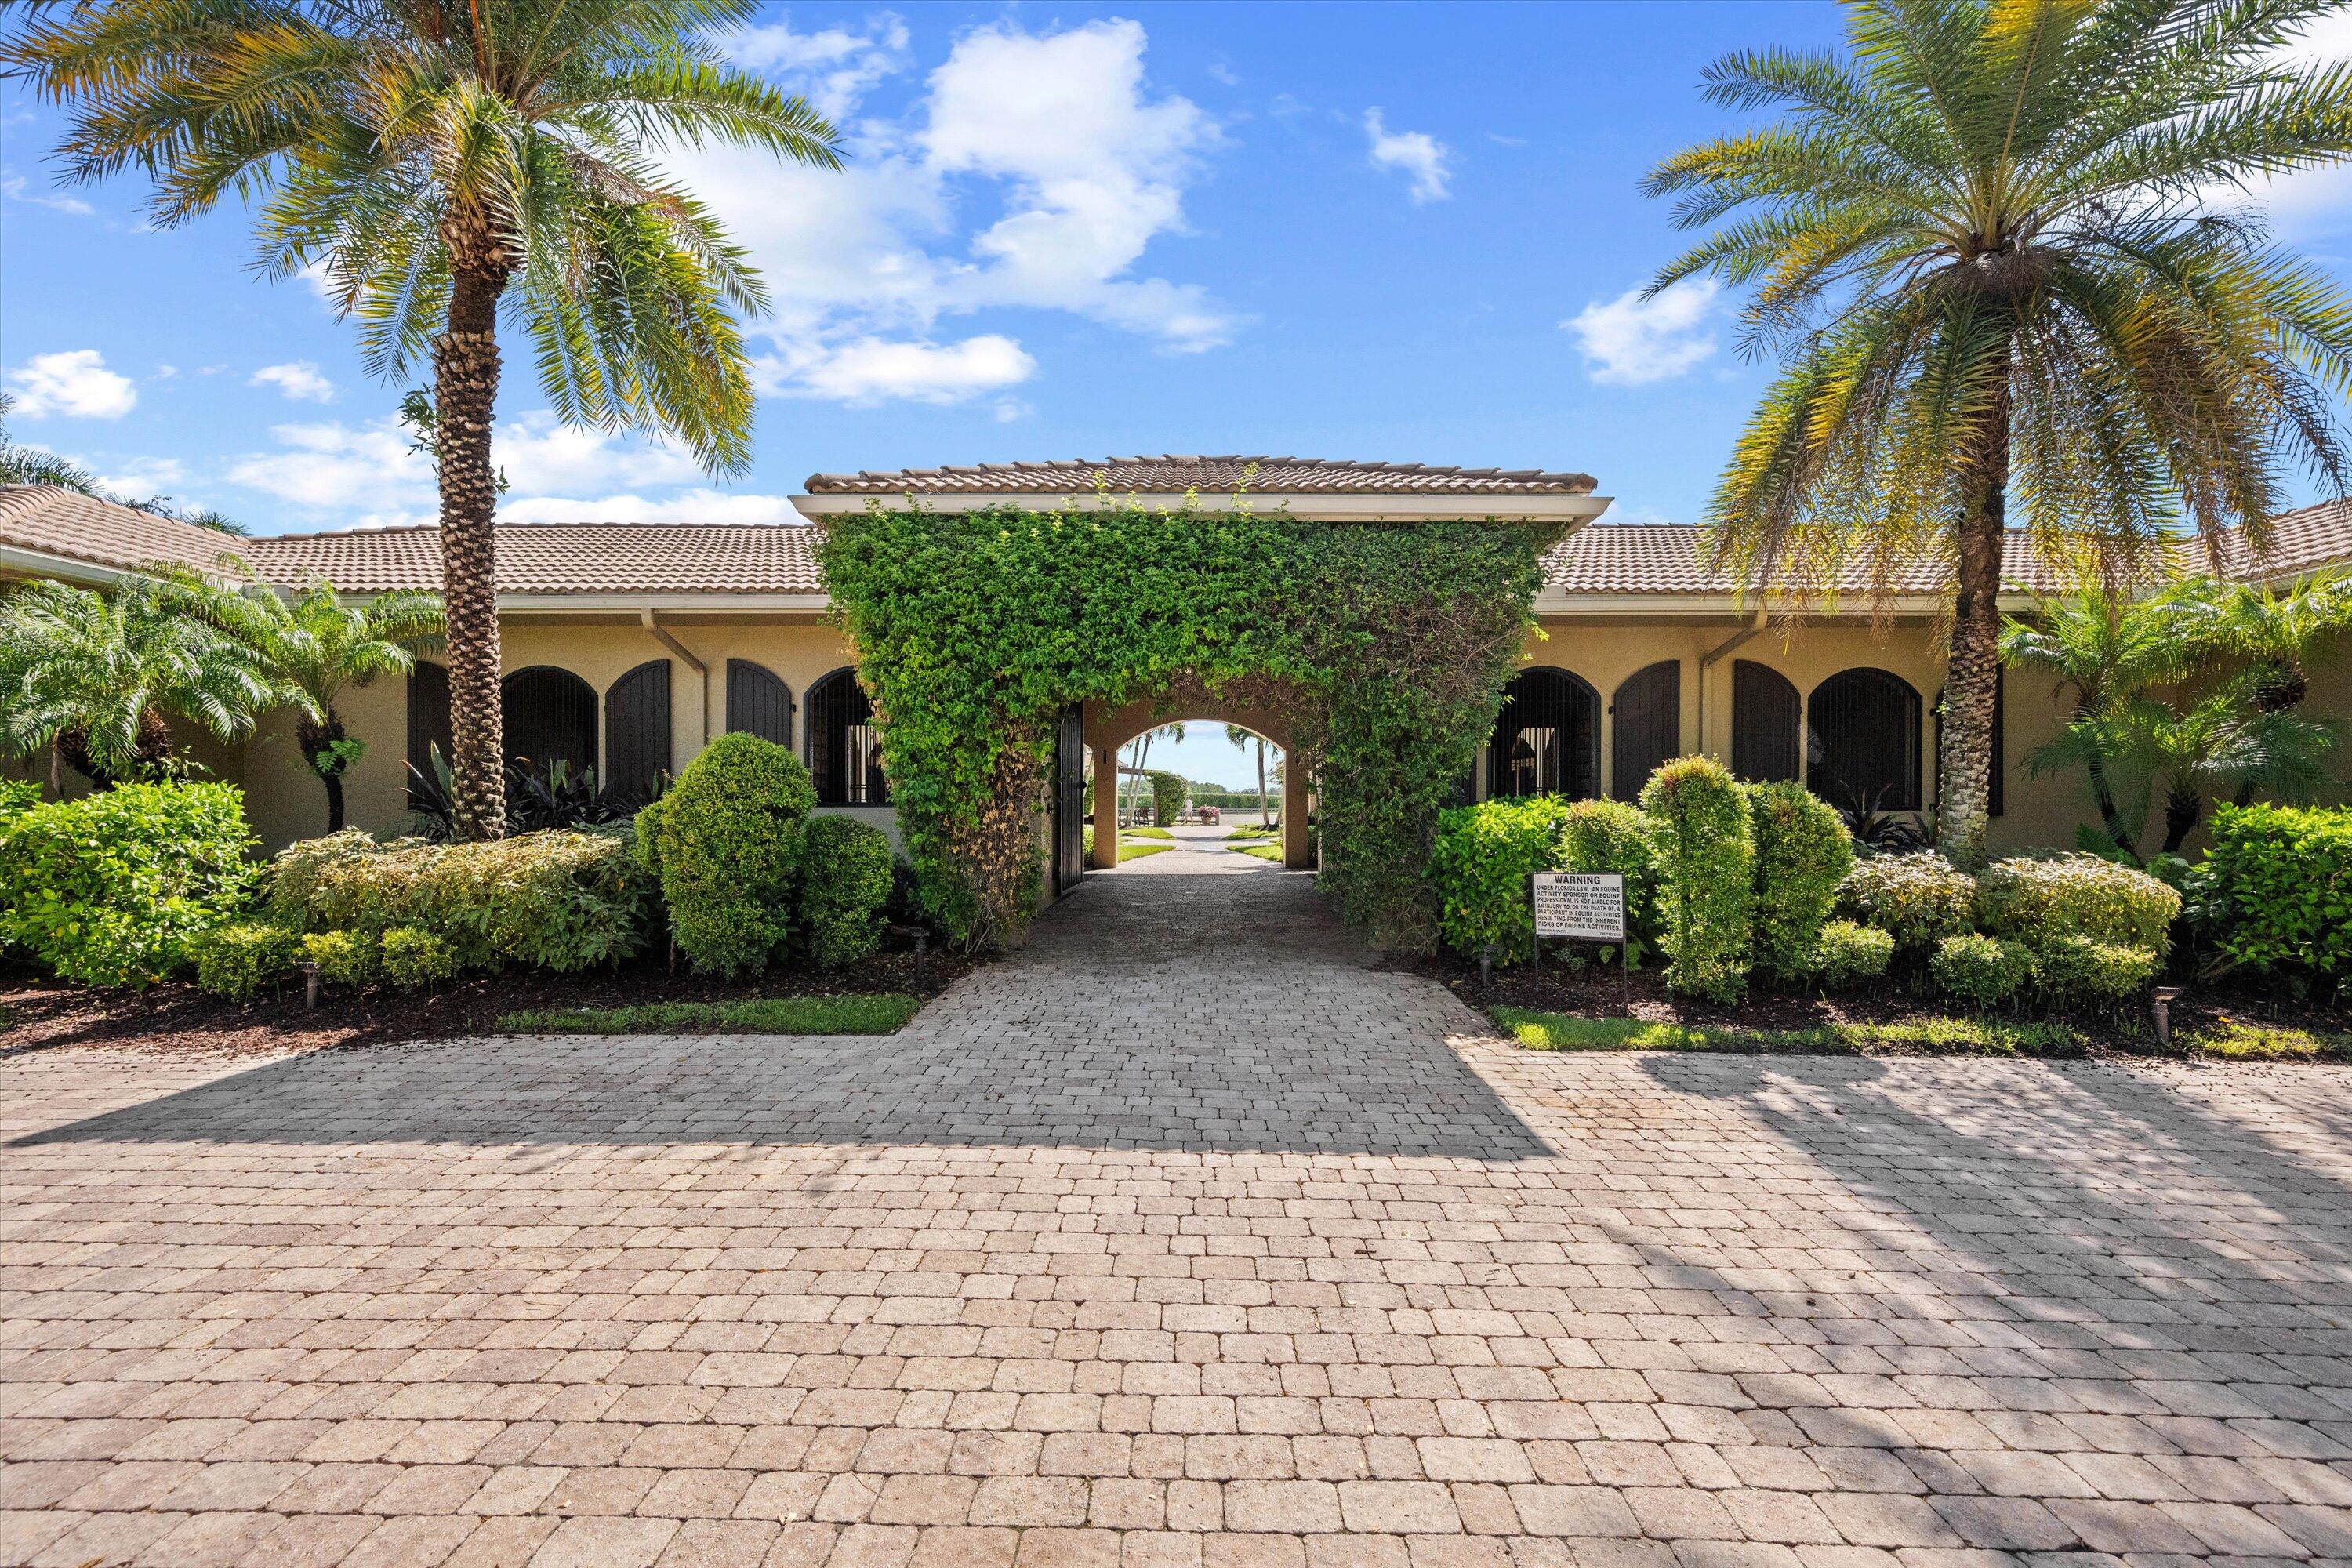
{"x":1386,"y":645}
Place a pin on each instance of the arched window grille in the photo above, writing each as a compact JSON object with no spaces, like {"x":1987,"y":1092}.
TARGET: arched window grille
{"x":638,"y":733}
{"x":428,"y":723}
{"x":1765,"y":711}
{"x":758,"y":703}
{"x":844,"y":747}
{"x":1645,"y":726}
{"x":550,"y":717}
{"x":1546,"y":738}
{"x":1862,"y":742}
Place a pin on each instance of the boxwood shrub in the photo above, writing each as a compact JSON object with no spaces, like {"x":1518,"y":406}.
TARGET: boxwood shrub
{"x":110,"y":889}
{"x":243,"y":959}
{"x":1847,"y":955}
{"x":345,"y":957}
{"x":1613,"y":836}
{"x":1917,"y":898}
{"x":1479,"y":864}
{"x":2037,"y":898}
{"x":1981,"y":970}
{"x":2275,"y":890}
{"x":414,"y":958}
{"x":727,"y":843}
{"x":2075,"y":971}
{"x":846,"y":885}
{"x":1705,"y":849}
{"x":1802,"y":854}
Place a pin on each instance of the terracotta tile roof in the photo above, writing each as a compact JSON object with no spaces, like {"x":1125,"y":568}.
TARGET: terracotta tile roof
{"x":2301,"y":541}
{"x":58,"y":521}
{"x":1172,"y":475}
{"x":564,"y":558}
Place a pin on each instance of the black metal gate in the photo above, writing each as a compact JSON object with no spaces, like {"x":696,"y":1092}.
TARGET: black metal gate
{"x":1070,"y":799}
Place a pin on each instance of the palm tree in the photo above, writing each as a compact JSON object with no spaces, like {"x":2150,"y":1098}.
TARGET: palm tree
{"x":1983,"y":244}
{"x":434,"y":160}
{"x":1241,"y":738}
{"x":97,"y":678}
{"x":312,"y":645}
{"x":22,"y":465}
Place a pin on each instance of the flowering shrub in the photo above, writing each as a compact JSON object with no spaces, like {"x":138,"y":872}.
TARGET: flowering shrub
{"x":2037,"y":898}
{"x":1479,"y":868}
{"x":1802,"y":853}
{"x":1917,"y":898}
{"x":1846,"y":953}
{"x":1706,"y":852}
{"x":1982,"y":970}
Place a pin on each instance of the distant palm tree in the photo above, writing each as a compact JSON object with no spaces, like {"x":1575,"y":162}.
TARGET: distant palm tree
{"x":1241,"y":738}
{"x":1984,"y":244}
{"x":97,"y":678}
{"x":22,"y":465}
{"x":424,"y":155}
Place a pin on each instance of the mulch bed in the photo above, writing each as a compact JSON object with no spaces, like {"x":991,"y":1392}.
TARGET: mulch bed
{"x":38,"y":1015}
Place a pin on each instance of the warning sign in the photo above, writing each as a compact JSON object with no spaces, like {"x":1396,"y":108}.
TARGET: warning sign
{"x":1587,"y":905}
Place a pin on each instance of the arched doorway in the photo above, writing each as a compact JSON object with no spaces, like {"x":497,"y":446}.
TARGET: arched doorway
{"x":1765,"y":714}
{"x":550,"y":717}
{"x":845,"y":750}
{"x":1255,"y":708}
{"x":1546,"y":738}
{"x":1862,"y":742}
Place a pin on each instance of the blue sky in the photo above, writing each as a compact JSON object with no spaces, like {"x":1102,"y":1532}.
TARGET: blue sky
{"x":1394,"y":232}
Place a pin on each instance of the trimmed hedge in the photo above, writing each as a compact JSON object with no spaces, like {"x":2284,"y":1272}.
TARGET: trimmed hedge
{"x":414,"y":958}
{"x":2276,"y":889}
{"x":2075,"y":971}
{"x":1846,"y":953}
{"x":2037,"y":900}
{"x":846,"y":886}
{"x":1802,"y":853}
{"x":727,"y":842}
{"x":242,"y":960}
{"x":1705,"y":850}
{"x":345,"y":957}
{"x":560,"y":900}
{"x":1982,"y":970}
{"x":1917,"y":898}
{"x":110,"y":889}
{"x":1479,"y":864}
{"x":1612,"y":835}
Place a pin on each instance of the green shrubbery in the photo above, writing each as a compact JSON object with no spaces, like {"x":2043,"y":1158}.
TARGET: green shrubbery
{"x":2036,"y":899}
{"x":1479,"y":864}
{"x":846,"y":887}
{"x":1802,"y":854}
{"x":1706,"y":866}
{"x":2276,"y":889}
{"x":243,"y":959}
{"x":414,"y":958}
{"x":1918,"y":898}
{"x":1982,"y":970}
{"x":2075,"y":971}
{"x":727,"y":843}
{"x":345,"y":957}
{"x":560,"y":900}
{"x":1846,"y":953}
{"x":110,"y":889}
{"x":1612,"y":835}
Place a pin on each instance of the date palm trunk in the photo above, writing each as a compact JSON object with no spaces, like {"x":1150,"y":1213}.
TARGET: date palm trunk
{"x":465,"y":396}
{"x":318,"y":740}
{"x":1972,"y":673}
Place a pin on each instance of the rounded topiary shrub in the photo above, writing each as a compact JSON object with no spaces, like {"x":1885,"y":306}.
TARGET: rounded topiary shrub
{"x":2075,"y":971}
{"x":345,"y":957}
{"x":242,"y":960}
{"x":1917,"y":898}
{"x":414,"y":958}
{"x":1981,"y":970}
{"x":846,"y":884}
{"x":727,"y":841}
{"x":1705,"y":849}
{"x":2037,"y":900}
{"x":1479,"y":864}
{"x":1611,"y":835}
{"x":110,"y":889}
{"x":1845,"y":953}
{"x":1802,"y":853}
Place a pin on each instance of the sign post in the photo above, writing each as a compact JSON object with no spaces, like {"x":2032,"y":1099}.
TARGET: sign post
{"x":1581,"y":906}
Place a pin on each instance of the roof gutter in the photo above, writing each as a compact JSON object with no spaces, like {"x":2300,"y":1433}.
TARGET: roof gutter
{"x":1715,"y":655}
{"x":649,"y":617}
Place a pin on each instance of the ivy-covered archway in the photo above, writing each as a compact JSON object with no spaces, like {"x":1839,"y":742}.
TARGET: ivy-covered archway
{"x":1386,"y":644}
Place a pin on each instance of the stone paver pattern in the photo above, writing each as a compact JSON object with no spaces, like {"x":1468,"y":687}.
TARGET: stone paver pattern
{"x":1113,"y":1257}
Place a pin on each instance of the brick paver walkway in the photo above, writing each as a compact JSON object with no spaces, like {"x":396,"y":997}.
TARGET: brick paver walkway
{"x":1115,"y":1258}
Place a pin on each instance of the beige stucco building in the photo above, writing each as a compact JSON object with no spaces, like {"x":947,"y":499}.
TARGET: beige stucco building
{"x":628,"y":647}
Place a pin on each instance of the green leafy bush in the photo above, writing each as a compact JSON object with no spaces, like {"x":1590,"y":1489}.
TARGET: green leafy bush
{"x":1802,"y":853}
{"x":1705,"y":849}
{"x":1982,"y":970}
{"x":17,"y":798}
{"x":2276,"y":889}
{"x":2038,"y":898}
{"x":414,"y":958}
{"x":1917,"y":898}
{"x":242,"y":960}
{"x":1613,"y":836}
{"x":1847,"y":955}
{"x":560,"y":901}
{"x":110,"y":888}
{"x":1169,"y":791}
{"x":2075,"y":971}
{"x":345,"y":957}
{"x":1479,"y":866}
{"x":727,"y":841}
{"x":846,"y":885}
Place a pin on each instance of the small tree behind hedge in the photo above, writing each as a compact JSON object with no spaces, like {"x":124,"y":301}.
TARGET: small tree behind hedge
{"x":1802,"y":853}
{"x":1706,"y":866}
{"x":846,"y":886}
{"x":1169,"y":793}
{"x":727,"y":842}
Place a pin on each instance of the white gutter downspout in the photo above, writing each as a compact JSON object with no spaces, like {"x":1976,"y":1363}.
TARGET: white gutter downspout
{"x":1715,"y":655}
{"x":647,"y":618}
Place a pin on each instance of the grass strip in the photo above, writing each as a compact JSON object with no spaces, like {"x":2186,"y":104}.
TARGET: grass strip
{"x":1147,"y":833}
{"x":1262,"y":851}
{"x":2235,"y":1040}
{"x":1253,"y":832}
{"x":1129,"y":850}
{"x":1952,"y":1036}
{"x":854,"y":1014}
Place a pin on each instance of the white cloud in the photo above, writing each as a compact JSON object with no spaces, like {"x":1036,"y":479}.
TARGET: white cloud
{"x":873,"y":369}
{"x":1426,"y":161}
{"x":833,"y":68}
{"x":143,"y":475}
{"x":331,"y":464}
{"x":299,"y":379}
{"x":695,"y":506}
{"x":2315,"y":202}
{"x":72,"y":382}
{"x":1632,"y":341}
{"x":17,"y":188}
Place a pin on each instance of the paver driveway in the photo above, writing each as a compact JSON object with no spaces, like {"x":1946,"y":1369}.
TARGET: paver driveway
{"x":1114,"y":1258}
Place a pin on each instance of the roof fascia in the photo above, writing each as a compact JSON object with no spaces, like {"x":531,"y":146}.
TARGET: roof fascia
{"x":1312,"y":508}
{"x":668,"y":602}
